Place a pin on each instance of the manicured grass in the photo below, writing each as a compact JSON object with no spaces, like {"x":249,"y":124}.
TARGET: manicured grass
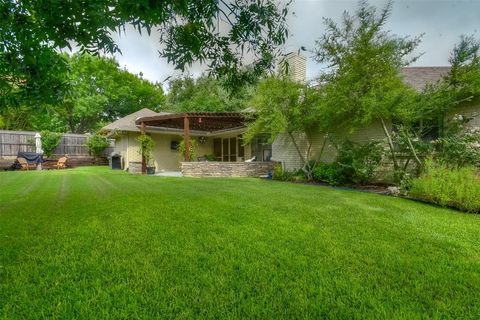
{"x":92,"y":243}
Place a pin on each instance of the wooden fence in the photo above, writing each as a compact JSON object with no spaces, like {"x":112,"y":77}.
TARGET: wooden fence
{"x":73,"y":145}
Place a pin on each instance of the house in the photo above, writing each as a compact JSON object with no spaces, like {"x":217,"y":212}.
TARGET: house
{"x":417,"y":77}
{"x":218,"y":138}
{"x":219,"y":135}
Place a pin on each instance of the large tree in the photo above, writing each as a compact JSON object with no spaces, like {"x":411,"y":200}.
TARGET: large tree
{"x":363,"y":82}
{"x":99,"y":92}
{"x":286,"y":107}
{"x":216,"y":32}
{"x":205,"y":94}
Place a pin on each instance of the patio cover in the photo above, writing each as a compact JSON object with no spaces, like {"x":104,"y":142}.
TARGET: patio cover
{"x":207,"y":122}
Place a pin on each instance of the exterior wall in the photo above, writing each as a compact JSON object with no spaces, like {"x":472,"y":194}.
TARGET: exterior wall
{"x":226,"y":169}
{"x":284,"y":150}
{"x":165,"y":159}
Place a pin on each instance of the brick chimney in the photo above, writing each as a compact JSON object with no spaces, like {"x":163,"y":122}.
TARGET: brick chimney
{"x":293,"y":65}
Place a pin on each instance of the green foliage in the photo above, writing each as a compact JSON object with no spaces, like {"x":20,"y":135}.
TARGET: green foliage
{"x":280,"y":174}
{"x":461,"y":85}
{"x":446,"y":186}
{"x":363,"y":83}
{"x":192,"y":147}
{"x":204,"y":94}
{"x":50,"y":141}
{"x":33,"y":31}
{"x":357,"y":162}
{"x":31,"y":70}
{"x":327,"y":172}
{"x":146,"y":147}
{"x":460,"y":145}
{"x":354,"y":164}
{"x":284,"y":106}
{"x":96,"y":144}
{"x":210,"y":157}
{"x":102,"y":92}
{"x":99,"y":93}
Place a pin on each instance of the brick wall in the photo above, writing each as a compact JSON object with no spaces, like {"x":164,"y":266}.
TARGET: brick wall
{"x":226,"y":169}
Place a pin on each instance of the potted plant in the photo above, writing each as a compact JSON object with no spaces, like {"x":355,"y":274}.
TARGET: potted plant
{"x":146,"y":147}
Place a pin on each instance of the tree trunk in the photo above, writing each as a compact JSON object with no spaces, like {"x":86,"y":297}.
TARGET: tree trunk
{"x":414,"y":153}
{"x":391,"y":145}
{"x":306,"y":166}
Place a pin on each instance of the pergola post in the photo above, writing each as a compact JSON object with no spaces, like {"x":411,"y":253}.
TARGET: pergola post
{"x":186,"y":137}
{"x":144,"y":163}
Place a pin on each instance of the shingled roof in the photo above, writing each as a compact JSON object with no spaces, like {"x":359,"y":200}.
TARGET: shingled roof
{"x":127,"y":123}
{"x":419,"y":77}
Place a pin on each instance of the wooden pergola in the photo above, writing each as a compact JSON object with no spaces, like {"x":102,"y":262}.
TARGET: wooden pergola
{"x":208,"y":122}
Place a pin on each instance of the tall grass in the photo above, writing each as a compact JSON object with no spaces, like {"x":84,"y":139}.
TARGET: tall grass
{"x":452,"y":187}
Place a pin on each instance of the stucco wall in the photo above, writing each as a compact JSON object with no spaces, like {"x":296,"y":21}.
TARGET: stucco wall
{"x":165,"y":159}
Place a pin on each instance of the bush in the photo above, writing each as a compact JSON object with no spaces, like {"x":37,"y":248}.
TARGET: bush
{"x":50,"y":141}
{"x":96,"y":144}
{"x":457,"y":187}
{"x":357,"y":162}
{"x":326,"y":172}
{"x":282,"y":175}
{"x":354,"y":164}
{"x":460,"y":145}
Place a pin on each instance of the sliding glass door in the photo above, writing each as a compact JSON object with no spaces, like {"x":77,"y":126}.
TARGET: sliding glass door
{"x":228,"y":149}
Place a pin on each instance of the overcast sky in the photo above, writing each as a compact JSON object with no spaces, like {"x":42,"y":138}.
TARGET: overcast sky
{"x":441,"y":21}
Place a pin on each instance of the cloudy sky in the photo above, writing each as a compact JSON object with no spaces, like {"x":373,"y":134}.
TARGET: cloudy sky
{"x":441,"y":21}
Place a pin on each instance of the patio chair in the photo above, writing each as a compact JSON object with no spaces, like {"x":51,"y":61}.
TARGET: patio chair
{"x":62,"y":163}
{"x":251,"y":159}
{"x":24,"y":163}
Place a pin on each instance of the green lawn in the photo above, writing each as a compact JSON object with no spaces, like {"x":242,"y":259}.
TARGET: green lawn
{"x":93,"y":243}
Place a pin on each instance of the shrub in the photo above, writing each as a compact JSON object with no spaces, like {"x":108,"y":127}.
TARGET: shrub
{"x":356,"y":163}
{"x":326,"y":172}
{"x":96,"y":144}
{"x":50,"y":141}
{"x":457,"y":187}
{"x":283,"y":175}
{"x":459,"y":145}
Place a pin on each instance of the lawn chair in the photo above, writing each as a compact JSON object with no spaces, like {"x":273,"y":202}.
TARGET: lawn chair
{"x":24,"y":163}
{"x":62,"y":163}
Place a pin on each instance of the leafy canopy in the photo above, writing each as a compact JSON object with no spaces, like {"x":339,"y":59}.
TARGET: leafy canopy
{"x":99,"y":93}
{"x":282,"y":105}
{"x":204,"y":94}
{"x":218,"y":33}
{"x":363,"y":81}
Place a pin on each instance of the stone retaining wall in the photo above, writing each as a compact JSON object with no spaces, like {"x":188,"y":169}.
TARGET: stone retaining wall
{"x":226,"y":169}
